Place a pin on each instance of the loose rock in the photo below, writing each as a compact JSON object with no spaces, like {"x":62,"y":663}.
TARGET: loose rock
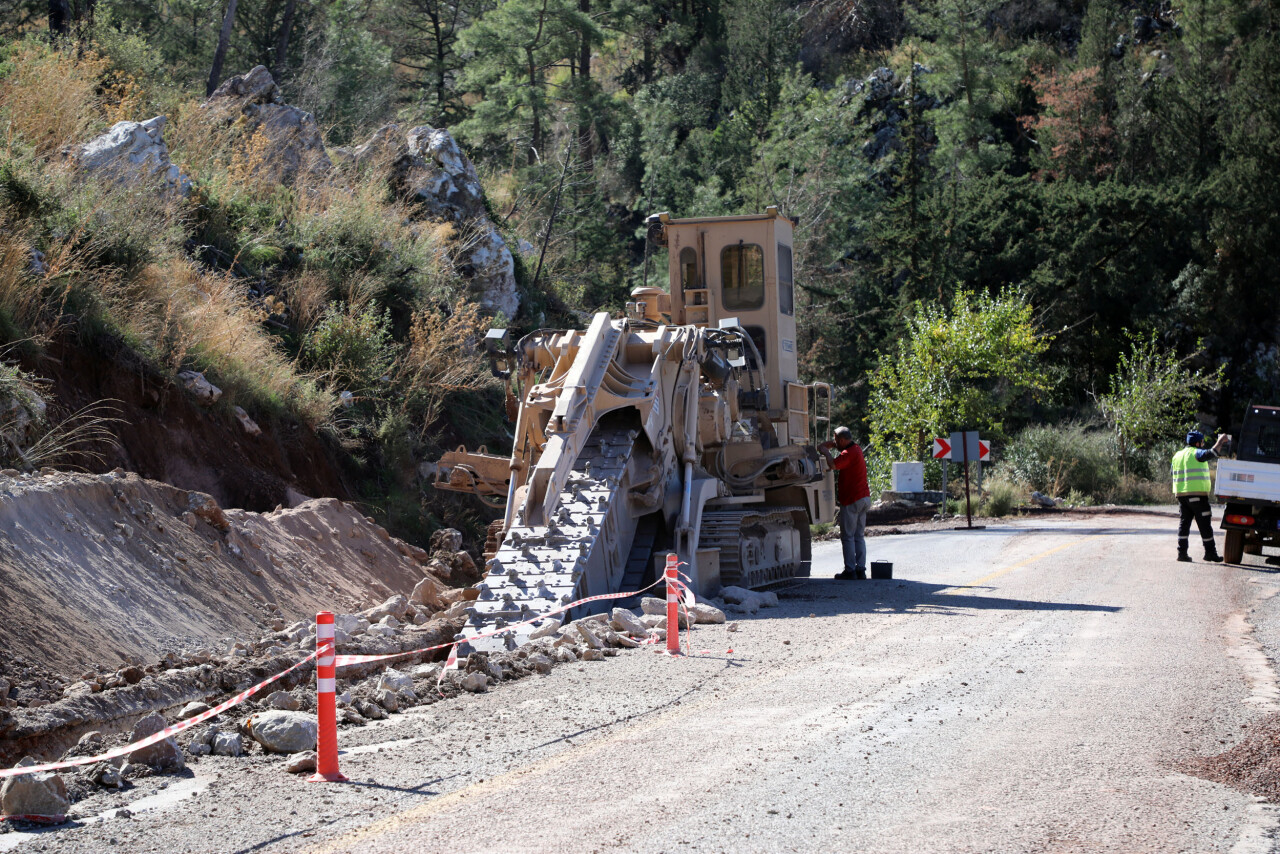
{"x":228,"y":744}
{"x":388,"y":700}
{"x":284,"y":732}
{"x":190,"y":710}
{"x":704,"y":613}
{"x":248,"y":424}
{"x":625,"y":621}
{"x":476,"y":683}
{"x":42,"y":794}
{"x":301,"y":763}
{"x":546,"y":630}
{"x":283,"y":700}
{"x":205,"y":392}
{"x":163,"y":755}
{"x":393,"y":680}
{"x":396,"y":606}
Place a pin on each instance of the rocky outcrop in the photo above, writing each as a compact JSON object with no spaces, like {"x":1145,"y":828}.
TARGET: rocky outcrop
{"x":133,"y":151}
{"x":885,"y":99}
{"x":427,"y":166}
{"x":281,"y":142}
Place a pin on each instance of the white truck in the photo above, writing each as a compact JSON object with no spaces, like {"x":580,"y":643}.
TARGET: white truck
{"x":1249,"y":485}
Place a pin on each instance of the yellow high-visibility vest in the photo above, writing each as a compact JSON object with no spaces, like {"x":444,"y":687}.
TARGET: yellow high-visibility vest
{"x":1190,"y":476}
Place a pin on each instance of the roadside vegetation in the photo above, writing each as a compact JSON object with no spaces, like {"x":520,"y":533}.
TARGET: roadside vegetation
{"x":308,"y":303}
{"x":1007,"y":212}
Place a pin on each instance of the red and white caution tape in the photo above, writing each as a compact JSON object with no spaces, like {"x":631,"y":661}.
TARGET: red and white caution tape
{"x":35,"y":819}
{"x":117,"y":752}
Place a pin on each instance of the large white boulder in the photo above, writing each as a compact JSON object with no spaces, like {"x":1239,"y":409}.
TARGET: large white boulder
{"x":132,"y":151}
{"x":284,"y":732}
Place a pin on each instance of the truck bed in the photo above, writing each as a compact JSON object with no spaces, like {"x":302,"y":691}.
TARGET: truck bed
{"x":1251,"y":482}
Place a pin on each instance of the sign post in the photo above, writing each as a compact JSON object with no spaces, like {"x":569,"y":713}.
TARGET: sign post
{"x":962,"y":447}
{"x":942,"y":451}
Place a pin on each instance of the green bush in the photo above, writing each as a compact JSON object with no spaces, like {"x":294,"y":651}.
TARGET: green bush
{"x":1001,"y":498}
{"x":1057,"y":460}
{"x":351,"y":346}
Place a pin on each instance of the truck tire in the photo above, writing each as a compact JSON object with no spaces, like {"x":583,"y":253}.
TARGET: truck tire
{"x":1233,"y":550}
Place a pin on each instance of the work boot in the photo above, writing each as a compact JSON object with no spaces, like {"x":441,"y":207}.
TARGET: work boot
{"x":1184,"y":557}
{"x":846,"y":575}
{"x":1213,"y":557}
{"x":860,"y":575}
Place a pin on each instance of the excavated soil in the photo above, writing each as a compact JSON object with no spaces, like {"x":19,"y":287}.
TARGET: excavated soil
{"x":100,"y":570}
{"x":121,"y":596}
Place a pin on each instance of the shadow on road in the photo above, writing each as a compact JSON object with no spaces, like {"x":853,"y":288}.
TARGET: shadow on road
{"x":829,"y":597}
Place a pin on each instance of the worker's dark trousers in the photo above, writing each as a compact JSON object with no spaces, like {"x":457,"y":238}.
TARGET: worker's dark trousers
{"x":1196,"y":506}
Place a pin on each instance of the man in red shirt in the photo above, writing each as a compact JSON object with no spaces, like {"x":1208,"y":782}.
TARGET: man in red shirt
{"x":854,"y":497}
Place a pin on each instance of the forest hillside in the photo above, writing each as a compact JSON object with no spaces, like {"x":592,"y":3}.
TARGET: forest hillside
{"x":1051,"y":220}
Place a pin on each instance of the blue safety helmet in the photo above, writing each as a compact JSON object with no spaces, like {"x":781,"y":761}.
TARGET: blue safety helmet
{"x":1195,"y":437}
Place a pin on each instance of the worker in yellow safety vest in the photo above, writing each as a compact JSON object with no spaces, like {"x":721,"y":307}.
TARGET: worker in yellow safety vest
{"x":1192,"y":484}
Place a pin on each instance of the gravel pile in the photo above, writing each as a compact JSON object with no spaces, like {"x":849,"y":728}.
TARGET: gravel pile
{"x":1253,"y":765}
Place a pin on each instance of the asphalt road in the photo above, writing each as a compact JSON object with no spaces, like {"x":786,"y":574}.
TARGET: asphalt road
{"x":1031,"y":687}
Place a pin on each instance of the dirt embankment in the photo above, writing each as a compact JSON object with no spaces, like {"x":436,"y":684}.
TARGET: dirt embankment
{"x":166,"y":435}
{"x":101,"y":569}
{"x":121,"y":596}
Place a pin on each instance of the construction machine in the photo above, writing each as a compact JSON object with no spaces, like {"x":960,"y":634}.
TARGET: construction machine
{"x":681,"y":427}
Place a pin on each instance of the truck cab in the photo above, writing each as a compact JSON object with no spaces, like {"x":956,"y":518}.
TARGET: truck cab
{"x":1249,"y":485}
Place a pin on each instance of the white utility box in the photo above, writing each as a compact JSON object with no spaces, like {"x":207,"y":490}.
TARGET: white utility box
{"x":908,"y":477}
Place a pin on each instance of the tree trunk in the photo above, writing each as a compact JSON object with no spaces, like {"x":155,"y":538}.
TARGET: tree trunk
{"x":282,"y":43}
{"x":59,"y":17}
{"x":220,"y":55}
{"x":586,"y":148}
{"x":535,"y":143}
{"x":439,"y":34}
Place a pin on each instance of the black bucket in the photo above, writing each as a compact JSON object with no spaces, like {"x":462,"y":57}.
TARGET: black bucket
{"x":881,"y":569}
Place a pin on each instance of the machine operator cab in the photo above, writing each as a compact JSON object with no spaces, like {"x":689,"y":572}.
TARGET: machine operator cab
{"x":736,"y":271}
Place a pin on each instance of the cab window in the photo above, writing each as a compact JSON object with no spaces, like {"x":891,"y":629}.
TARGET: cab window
{"x":688,"y":268}
{"x":742,"y":276}
{"x":786,"y":289}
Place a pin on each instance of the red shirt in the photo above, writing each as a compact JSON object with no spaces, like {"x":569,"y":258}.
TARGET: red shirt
{"x":851,"y":483}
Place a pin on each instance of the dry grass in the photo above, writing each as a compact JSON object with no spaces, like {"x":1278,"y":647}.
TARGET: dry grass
{"x":50,"y":99}
{"x":250,"y":170}
{"x":443,"y":357}
{"x":20,"y":292}
{"x":202,"y":148}
{"x":194,"y":317}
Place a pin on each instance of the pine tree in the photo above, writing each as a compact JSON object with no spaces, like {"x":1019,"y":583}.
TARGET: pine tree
{"x":516,"y":49}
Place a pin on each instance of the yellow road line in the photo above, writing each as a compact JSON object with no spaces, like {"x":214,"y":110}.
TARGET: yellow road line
{"x":951,"y":591}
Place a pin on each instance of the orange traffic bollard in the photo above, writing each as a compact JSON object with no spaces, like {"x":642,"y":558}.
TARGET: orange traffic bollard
{"x":673,"y":606}
{"x":326,"y":703}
